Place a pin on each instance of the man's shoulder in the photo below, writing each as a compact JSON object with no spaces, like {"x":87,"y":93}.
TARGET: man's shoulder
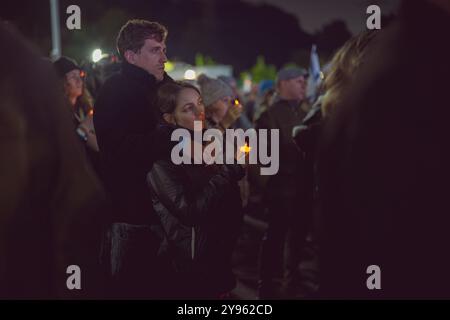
{"x":113,"y":83}
{"x":276,"y":108}
{"x":116,"y":90}
{"x":278,"y":105}
{"x":265,"y":120}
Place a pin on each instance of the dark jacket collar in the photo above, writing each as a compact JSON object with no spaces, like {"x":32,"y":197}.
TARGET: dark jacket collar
{"x":138,"y":74}
{"x":142,"y":76}
{"x":294,"y":103}
{"x":291,"y":103}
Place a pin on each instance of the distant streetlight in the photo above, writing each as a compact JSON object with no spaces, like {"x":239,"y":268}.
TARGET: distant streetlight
{"x":190,"y":74}
{"x":97,"y":55}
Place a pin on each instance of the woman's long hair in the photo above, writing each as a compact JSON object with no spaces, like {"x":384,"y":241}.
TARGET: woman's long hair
{"x":343,"y":66}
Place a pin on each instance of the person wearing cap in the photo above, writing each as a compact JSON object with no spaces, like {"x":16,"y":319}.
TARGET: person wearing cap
{"x":80,"y":102}
{"x":73,"y":86}
{"x":218,"y":98}
{"x":285,"y":194}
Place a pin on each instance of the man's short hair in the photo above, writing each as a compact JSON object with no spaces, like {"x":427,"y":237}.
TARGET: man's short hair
{"x":133,"y":34}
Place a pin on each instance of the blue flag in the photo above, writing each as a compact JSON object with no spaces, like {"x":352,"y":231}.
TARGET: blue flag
{"x":314,"y":75}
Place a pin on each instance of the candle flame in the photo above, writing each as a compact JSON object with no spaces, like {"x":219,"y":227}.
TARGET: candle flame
{"x":245,"y":148}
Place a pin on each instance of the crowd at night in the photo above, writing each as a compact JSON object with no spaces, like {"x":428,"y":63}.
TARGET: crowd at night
{"x":222,"y":150}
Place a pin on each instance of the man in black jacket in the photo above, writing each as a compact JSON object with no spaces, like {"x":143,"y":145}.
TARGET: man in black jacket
{"x":125,"y":120}
{"x":285,"y":195}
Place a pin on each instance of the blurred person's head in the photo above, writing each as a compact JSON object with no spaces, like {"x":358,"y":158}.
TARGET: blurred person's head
{"x":267,"y":97}
{"x":142,"y":43}
{"x":71,"y":74}
{"x":291,"y":83}
{"x":217,"y":97}
{"x":43,"y":166}
{"x":181,"y":104}
{"x":264,"y":86}
{"x":343,"y":66}
{"x":231,"y":81}
{"x":443,"y":4}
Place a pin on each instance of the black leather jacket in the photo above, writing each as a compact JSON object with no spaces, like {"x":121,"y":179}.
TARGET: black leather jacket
{"x":200,"y":210}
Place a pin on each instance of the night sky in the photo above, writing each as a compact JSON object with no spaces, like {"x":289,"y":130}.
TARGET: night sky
{"x":313,"y":14}
{"x":282,"y":31}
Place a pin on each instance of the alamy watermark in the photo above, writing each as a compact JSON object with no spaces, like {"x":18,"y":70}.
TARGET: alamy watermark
{"x":73,"y":22}
{"x":374,"y":280}
{"x":374,"y":20}
{"x":74,"y":279}
{"x":191,"y":150}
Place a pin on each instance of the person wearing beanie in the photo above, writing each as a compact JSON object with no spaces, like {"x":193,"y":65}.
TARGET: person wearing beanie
{"x":231,"y":81}
{"x":220,"y":106}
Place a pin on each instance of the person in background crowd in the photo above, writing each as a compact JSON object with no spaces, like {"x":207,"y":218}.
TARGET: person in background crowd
{"x":231,"y":81}
{"x":223,"y":111}
{"x":266,"y":91}
{"x":220,"y":108}
{"x":80,"y":103}
{"x":286,"y":194}
{"x":243,"y":122}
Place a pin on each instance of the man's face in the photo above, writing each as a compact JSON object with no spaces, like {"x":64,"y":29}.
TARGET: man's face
{"x":293,"y":89}
{"x":151,"y":57}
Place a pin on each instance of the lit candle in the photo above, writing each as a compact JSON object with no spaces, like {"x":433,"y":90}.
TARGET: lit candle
{"x":245,"y":148}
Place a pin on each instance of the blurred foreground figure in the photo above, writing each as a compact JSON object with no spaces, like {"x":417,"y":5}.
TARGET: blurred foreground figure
{"x":49,"y":195}
{"x":384,"y":165}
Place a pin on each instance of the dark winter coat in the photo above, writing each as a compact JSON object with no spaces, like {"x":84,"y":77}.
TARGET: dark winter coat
{"x":284,"y":115}
{"x":125,"y":120}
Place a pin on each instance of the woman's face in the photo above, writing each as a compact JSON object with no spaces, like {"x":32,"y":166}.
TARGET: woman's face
{"x":73,"y":84}
{"x":220,"y":107}
{"x":189,"y":109}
